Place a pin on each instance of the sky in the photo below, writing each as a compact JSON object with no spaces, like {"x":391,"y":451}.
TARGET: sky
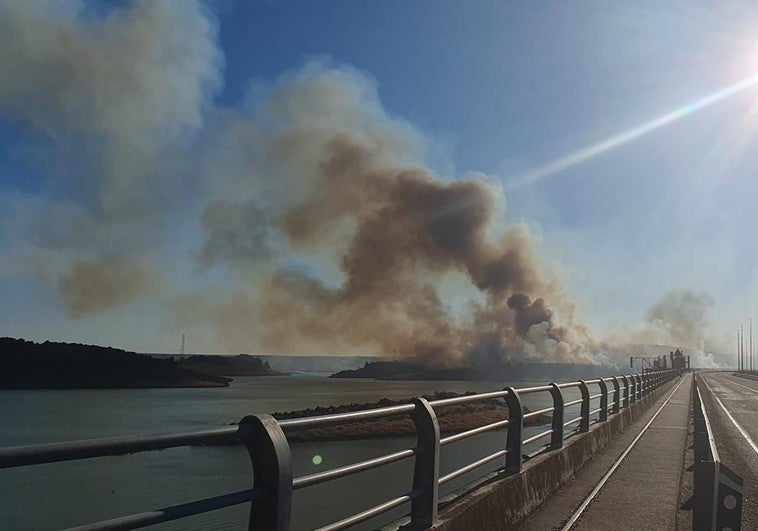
{"x":139,"y":143}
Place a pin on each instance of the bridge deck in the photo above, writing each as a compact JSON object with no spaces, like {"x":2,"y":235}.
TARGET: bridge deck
{"x":738,"y":450}
{"x":644,"y":490}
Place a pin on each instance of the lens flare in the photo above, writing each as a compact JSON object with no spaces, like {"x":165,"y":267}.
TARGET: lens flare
{"x":317,"y":460}
{"x":577,"y":157}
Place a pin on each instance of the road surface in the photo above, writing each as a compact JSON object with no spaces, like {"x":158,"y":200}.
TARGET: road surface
{"x":732,"y":406}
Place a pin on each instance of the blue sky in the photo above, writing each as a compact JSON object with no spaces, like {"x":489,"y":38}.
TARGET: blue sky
{"x":499,"y":88}
{"x":508,"y":86}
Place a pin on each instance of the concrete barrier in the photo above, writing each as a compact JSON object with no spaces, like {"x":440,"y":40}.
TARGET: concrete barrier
{"x":508,"y":500}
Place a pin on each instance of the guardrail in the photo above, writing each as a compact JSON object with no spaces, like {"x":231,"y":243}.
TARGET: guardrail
{"x":718,"y":490}
{"x":273,"y":482}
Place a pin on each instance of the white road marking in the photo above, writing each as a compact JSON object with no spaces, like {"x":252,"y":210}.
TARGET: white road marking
{"x":574,"y":517}
{"x":743,"y":386}
{"x":736,"y":424}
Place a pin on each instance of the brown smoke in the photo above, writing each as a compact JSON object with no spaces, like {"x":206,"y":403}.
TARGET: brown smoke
{"x":91,"y":286}
{"x":105,"y":102}
{"x":323,"y":230}
{"x":411,"y":231}
{"x":681,"y":316}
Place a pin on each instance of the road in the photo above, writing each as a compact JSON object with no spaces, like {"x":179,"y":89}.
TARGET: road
{"x":732,"y":406}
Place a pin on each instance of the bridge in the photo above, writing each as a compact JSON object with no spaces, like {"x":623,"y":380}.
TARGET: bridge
{"x":664,"y":449}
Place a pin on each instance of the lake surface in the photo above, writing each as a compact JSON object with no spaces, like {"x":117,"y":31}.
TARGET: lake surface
{"x":61,"y":495}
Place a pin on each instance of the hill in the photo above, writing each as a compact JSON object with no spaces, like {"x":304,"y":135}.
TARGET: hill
{"x":240,"y":365}
{"x":49,"y":365}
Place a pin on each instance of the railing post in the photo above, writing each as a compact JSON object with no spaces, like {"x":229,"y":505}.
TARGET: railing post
{"x":639,"y":386}
{"x":645,"y":380}
{"x":584,"y":424}
{"x":626,"y":392}
{"x":426,"y":470}
{"x":515,"y":431}
{"x":616,"y":395}
{"x":603,"y":400}
{"x":556,"y":438}
{"x":272,"y":472}
{"x":632,"y":389}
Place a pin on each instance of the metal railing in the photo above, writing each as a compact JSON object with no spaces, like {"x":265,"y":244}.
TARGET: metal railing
{"x":270,"y":497}
{"x":718,"y":491}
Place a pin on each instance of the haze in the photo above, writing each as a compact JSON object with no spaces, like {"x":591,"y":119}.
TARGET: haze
{"x":445,"y":182}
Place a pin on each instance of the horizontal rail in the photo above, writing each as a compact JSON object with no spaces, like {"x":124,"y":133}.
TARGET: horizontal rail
{"x":572,"y":421}
{"x":474,"y":431}
{"x":535,"y":389}
{"x":573,"y":402}
{"x":369,"y":513}
{"x":472,"y":466}
{"x":341,"y":472}
{"x":537,"y":437}
{"x":539,"y":412}
{"x":68,"y":451}
{"x":338,"y":418}
{"x":467,"y":398}
{"x":175,"y":512}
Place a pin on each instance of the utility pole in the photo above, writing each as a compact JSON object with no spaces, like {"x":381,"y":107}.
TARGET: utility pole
{"x":182,"y":344}
{"x":742,"y":347}
{"x":751,"y":343}
{"x":739,"y":361}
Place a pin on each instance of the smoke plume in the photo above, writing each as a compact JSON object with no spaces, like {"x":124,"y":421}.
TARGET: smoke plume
{"x":106,"y":103}
{"x":384,"y":233}
{"x":678,"y":319}
{"x":311,"y":215}
{"x":91,"y":286}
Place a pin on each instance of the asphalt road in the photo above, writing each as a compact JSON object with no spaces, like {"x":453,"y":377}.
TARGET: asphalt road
{"x":736,"y":437}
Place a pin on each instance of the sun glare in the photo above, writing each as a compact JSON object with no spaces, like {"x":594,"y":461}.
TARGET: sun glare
{"x":622,"y":138}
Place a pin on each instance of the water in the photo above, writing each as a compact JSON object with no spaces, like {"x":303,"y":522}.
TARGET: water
{"x":66,"y":494}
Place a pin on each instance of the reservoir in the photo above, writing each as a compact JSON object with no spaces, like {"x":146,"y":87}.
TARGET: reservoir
{"x":60,"y":495}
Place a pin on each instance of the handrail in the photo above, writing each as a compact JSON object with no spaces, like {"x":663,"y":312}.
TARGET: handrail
{"x":348,"y":470}
{"x":269,"y":450}
{"x":175,"y":512}
{"x":474,"y":431}
{"x":14,"y":456}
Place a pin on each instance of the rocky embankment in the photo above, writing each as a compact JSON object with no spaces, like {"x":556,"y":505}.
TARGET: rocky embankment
{"x":452,"y":419}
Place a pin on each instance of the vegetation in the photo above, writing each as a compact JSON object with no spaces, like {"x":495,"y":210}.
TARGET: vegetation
{"x":240,"y":365}
{"x":49,"y":365}
{"x":407,"y":370}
